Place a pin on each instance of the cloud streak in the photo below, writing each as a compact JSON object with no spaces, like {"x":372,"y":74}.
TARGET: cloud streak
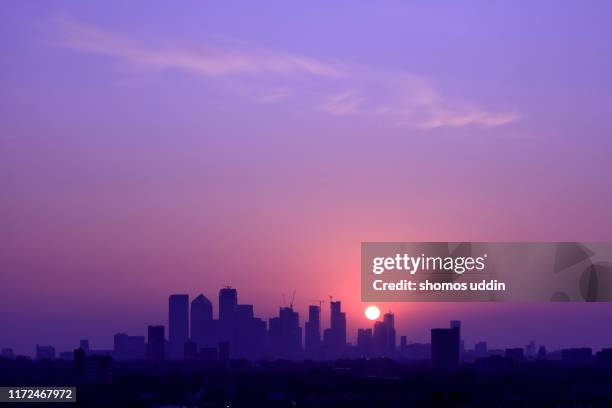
{"x":396,"y":98}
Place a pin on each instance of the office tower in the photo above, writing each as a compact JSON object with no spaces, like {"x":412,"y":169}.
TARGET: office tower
{"x":156,"y":343}
{"x":243,"y":332}
{"x":364,"y":342}
{"x":456,"y":324}
{"x":228,"y":299}
{"x":7,"y":353}
{"x":243,"y":313}
{"x":84,"y":345}
{"x":445,"y":349}
{"x":335,"y":338}
{"x":313,"y":332}
{"x":178,"y":324}
{"x":201,"y":321}
{"x":379,"y":338}
{"x":128,"y":347}
{"x":285,"y":334}
{"x":45,"y":352}
{"x":258,"y":337}
{"x":531,"y":349}
{"x":390,"y":345}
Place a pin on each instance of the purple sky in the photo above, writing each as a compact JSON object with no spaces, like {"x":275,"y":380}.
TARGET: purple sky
{"x":147,"y":149}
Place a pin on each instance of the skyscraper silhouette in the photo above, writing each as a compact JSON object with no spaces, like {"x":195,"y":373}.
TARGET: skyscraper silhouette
{"x":456,"y":324}
{"x":335,"y":336}
{"x":156,"y":343}
{"x":390,"y":343}
{"x":178,"y":324}
{"x":228,"y":299}
{"x":201,"y":321}
{"x":365,"y":342}
{"x":313,"y":332}
{"x":285,"y":334}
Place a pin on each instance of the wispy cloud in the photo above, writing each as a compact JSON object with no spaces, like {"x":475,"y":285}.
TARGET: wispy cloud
{"x":343,"y":103}
{"x":397,"y":98}
{"x":207,"y":60}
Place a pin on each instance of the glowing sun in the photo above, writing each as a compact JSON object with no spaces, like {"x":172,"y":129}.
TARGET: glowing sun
{"x":372,"y":312}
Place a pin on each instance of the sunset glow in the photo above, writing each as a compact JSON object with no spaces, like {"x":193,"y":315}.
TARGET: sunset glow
{"x":372,"y":312}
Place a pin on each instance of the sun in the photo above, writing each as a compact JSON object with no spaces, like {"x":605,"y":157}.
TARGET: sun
{"x":372,"y":312}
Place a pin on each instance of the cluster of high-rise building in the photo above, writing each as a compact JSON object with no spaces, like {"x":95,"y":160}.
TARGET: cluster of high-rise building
{"x":194,"y":333}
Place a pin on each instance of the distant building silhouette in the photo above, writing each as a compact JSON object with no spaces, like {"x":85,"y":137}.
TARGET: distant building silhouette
{"x":313,"y":332}
{"x":365,"y":342}
{"x":45,"y":352}
{"x":515,"y":354}
{"x":7,"y":353}
{"x":334,"y":338}
{"x":542,"y":353}
{"x":390,"y":345}
{"x":456,"y":324}
{"x":445,"y":349}
{"x":285,"y":334}
{"x":228,"y":299}
{"x":531,"y":349}
{"x":202,"y":326}
{"x":178,"y":324}
{"x":577,"y":356}
{"x":84,"y":345}
{"x":248,"y":335}
{"x":92,"y":369}
{"x":156,"y":343}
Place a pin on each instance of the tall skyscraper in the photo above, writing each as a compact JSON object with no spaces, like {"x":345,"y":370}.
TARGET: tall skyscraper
{"x":379,"y":339}
{"x":335,"y":341}
{"x":285,"y":335}
{"x":228,"y":299}
{"x":365,"y":342}
{"x":456,"y":324}
{"x":313,"y":332}
{"x":445,"y":349}
{"x":201,"y":319}
{"x":156,"y":343}
{"x":178,"y":324}
{"x":390,"y":341}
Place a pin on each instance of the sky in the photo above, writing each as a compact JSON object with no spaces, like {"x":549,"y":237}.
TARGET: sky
{"x":149,"y":149}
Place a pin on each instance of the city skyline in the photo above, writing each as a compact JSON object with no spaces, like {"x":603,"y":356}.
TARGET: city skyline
{"x":147,"y":150}
{"x":192,"y":332}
